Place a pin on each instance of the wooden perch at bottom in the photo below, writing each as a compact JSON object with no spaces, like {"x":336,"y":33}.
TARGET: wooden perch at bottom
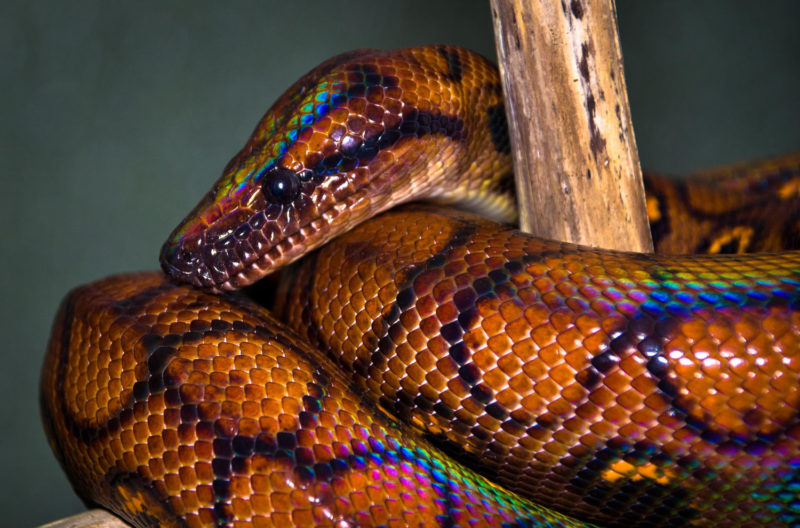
{"x":89,"y":519}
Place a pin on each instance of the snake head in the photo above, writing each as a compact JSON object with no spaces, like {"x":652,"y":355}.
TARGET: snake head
{"x":358,"y":134}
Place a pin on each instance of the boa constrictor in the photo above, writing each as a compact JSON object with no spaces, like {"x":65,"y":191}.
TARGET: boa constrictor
{"x":443,"y":369}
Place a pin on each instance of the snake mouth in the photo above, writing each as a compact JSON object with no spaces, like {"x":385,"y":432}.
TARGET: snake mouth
{"x":232,"y":252}
{"x":227,"y":252}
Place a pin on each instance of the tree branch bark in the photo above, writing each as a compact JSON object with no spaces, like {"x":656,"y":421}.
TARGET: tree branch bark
{"x":575,"y":158}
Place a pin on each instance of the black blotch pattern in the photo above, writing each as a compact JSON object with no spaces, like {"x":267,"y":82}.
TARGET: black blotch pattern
{"x":135,"y":303}
{"x":413,"y":124}
{"x":790,"y":237}
{"x":454,"y":66}
{"x":498,"y":128}
{"x":372,"y":76}
{"x":153,"y":511}
{"x":671,"y":502}
{"x":406,"y":298}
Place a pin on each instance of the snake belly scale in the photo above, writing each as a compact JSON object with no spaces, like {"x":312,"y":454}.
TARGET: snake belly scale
{"x":441,"y":369}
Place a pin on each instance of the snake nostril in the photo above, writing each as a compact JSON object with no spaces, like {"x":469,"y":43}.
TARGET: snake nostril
{"x":178,"y":258}
{"x":183,"y":260}
{"x":185,"y":256}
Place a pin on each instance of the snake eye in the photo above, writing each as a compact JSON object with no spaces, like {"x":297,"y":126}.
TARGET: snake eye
{"x":281,"y":186}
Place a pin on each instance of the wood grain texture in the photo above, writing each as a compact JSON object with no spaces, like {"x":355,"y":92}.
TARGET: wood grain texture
{"x":89,"y":519}
{"x":578,"y":173}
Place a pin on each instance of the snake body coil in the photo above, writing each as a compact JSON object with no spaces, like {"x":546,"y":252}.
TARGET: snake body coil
{"x":618,"y":389}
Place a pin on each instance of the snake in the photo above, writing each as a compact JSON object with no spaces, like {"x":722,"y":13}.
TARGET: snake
{"x":432,"y":365}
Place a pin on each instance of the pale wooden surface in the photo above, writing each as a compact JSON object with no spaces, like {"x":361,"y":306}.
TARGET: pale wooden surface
{"x":578,"y":173}
{"x":88,"y":519}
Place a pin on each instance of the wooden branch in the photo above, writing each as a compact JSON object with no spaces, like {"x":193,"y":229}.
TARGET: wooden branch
{"x":578,"y":174}
{"x":89,"y":519}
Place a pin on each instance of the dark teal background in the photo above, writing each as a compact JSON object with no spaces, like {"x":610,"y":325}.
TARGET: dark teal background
{"x":116,"y":117}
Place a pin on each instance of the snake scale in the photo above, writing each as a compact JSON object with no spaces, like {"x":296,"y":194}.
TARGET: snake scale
{"x":442,"y":369}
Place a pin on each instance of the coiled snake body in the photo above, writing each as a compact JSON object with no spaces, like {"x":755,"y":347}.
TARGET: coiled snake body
{"x":618,"y":389}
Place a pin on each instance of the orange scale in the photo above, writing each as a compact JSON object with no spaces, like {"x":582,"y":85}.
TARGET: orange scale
{"x":187,"y":456}
{"x":596,"y":343}
{"x":425,"y":304}
{"x":747,"y":328}
{"x":587,"y":323}
{"x":339,"y":326}
{"x":573,"y":265}
{"x":753,"y":384}
{"x":510,"y":311}
{"x":492,"y":324}
{"x":586,"y":410}
{"x":659,"y":434}
{"x":551,"y":355}
{"x":741,"y":402}
{"x":218,"y":380}
{"x":254,"y":391}
{"x":243,"y":360}
{"x":557,"y":449}
{"x":452,"y":398}
{"x":156,"y":467}
{"x":759,"y":346}
{"x":446,"y":312}
{"x":429,"y":326}
{"x":404,"y":352}
{"x":416,"y":374}
{"x":521,"y":383}
{"x":234,"y":393}
{"x":644,"y":417}
{"x":536,"y":314}
{"x":509,"y":364}
{"x":770,"y":364}
{"x":562,"y":374}
{"x":495,"y":379}
{"x":561,"y":319}
{"x":546,"y":388}
{"x":425,"y":359}
{"x":276,"y":388}
{"x":780,"y":407}
{"x":499,"y":344}
{"x":570,"y":339}
{"x":630,"y":400}
{"x":602,"y":397}
{"x":436,"y":381}
{"x":630,"y":430}
{"x":613,"y":324}
{"x":207,"y":351}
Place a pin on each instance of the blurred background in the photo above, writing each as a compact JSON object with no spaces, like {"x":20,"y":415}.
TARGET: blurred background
{"x":116,"y":117}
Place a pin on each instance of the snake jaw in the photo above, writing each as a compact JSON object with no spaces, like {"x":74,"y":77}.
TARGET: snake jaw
{"x":223,"y":250}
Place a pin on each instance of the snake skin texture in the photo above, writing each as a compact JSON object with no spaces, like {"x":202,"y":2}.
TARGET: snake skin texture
{"x":752,"y":207}
{"x":626,"y":389}
{"x":174,"y":407}
{"x":441,"y":369}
